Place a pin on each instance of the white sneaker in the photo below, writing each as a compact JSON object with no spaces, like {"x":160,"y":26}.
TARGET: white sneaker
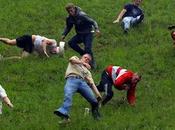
{"x":61,"y":48}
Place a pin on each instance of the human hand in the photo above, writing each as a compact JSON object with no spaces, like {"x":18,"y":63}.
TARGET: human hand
{"x":62,"y":38}
{"x":10,"y":105}
{"x":87,"y":65}
{"x":98,"y":33}
{"x":99,"y":98}
{"x":116,"y":21}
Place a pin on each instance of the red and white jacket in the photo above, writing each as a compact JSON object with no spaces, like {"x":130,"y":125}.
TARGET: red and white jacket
{"x":120,"y":77}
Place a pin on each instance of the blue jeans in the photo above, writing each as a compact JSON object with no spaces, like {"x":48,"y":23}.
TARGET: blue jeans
{"x":131,"y":21}
{"x":72,"y":86}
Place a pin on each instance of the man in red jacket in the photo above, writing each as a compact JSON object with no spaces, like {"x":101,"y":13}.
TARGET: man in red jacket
{"x":122,"y":79}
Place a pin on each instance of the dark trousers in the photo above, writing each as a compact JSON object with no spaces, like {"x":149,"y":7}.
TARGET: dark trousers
{"x":105,"y":85}
{"x":86,"y":39}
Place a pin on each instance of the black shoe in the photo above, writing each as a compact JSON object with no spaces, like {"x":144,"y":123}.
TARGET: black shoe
{"x":141,"y":18}
{"x":126,"y":31}
{"x":61,"y":114}
{"x":96,"y":115}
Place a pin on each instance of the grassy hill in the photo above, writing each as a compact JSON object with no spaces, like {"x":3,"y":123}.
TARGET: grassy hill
{"x":35,"y":85}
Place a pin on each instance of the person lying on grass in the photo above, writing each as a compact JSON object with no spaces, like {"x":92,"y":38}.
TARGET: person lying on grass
{"x":37,"y":43}
{"x":4,"y":98}
{"x":79,"y":79}
{"x":122,"y":79}
{"x":130,"y":15}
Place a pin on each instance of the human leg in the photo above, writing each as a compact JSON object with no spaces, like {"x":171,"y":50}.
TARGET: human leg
{"x":87,"y":40}
{"x":69,"y":89}
{"x":137,"y":20}
{"x":106,"y":86}
{"x":88,"y":94}
{"x":8,"y":41}
{"x":126,"y":23}
{"x":73,"y":43}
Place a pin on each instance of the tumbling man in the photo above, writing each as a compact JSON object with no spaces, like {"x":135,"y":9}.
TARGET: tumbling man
{"x":122,"y":79}
{"x":84,"y":30}
{"x":79,"y":79}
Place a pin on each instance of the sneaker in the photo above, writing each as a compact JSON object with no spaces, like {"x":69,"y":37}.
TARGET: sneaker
{"x":140,"y":18}
{"x":126,"y":31}
{"x":96,"y":114}
{"x":64,"y":121}
{"x":61,"y":48}
{"x":61,"y":114}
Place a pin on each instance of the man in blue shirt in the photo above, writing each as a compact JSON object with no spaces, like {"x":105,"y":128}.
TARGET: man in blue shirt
{"x":130,"y":15}
{"x":84,"y":26}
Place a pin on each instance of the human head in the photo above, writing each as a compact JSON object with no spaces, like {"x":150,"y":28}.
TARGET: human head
{"x":136,"y":78}
{"x":53,"y":47}
{"x":86,"y":58}
{"x":137,"y":2}
{"x":173,"y":35}
{"x":70,"y":8}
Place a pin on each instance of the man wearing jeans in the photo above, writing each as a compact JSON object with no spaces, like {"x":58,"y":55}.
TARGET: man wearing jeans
{"x":84,"y":30}
{"x":78,"y":79}
{"x":130,"y":15}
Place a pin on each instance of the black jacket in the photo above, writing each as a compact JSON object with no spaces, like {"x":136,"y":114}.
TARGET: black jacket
{"x":82,"y":22}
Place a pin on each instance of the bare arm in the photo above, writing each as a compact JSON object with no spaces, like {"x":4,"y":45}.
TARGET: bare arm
{"x":93,"y":86}
{"x":120,"y":16}
{"x":44,"y":45}
{"x":7,"y":101}
{"x":74,"y":60}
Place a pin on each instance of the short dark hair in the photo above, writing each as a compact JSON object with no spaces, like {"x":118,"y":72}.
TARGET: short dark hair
{"x":69,"y":6}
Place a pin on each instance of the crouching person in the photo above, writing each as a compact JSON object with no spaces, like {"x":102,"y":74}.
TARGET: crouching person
{"x":79,"y":79}
{"x":4,"y":98}
{"x":122,"y":79}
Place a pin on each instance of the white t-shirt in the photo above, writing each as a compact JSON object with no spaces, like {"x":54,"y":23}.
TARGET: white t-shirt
{"x":2,"y":93}
{"x":38,"y":44}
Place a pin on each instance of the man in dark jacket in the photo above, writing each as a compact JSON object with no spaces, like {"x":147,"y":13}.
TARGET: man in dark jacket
{"x":84,"y":26}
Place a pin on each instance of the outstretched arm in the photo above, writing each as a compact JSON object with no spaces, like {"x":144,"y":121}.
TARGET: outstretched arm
{"x":120,"y":16}
{"x":44,"y":46}
{"x":7,"y":101}
{"x":131,"y":95}
{"x":67,"y":29}
{"x":93,"y":86}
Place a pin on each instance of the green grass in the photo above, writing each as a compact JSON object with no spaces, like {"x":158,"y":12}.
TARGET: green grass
{"x":35,"y":85}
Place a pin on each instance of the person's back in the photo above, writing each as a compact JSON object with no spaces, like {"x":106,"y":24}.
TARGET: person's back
{"x":38,"y":42}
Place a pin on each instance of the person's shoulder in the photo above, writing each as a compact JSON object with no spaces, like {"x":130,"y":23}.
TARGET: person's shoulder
{"x":80,"y":12}
{"x":74,"y":57}
{"x":128,"y":6}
